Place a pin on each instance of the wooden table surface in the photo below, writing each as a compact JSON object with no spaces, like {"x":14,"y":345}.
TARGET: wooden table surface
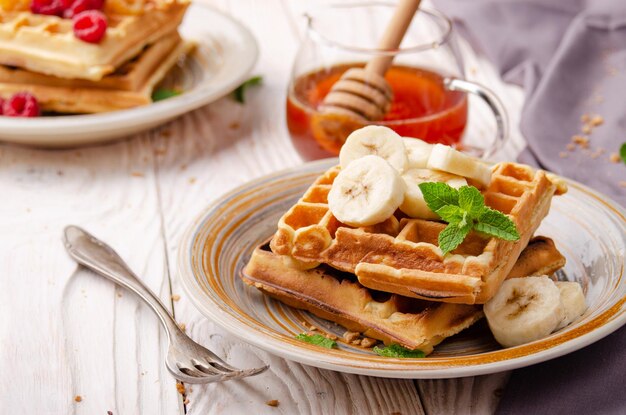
{"x":66,"y":332}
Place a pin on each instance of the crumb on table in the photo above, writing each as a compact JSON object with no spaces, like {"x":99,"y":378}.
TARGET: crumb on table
{"x":596,"y":120}
{"x":581,"y":140}
{"x":273,"y":402}
{"x":175,"y":297}
{"x":78,"y":398}
{"x":615,"y":158}
{"x":180,"y":388}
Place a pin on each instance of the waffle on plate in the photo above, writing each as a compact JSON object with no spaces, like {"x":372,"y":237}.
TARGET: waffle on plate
{"x":130,"y":86}
{"x":401,"y":255}
{"x":338,"y":296}
{"x":47,"y":44}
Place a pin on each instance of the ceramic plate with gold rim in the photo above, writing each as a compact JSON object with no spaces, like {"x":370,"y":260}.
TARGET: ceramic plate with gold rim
{"x":225,"y":54}
{"x":588,"y":229}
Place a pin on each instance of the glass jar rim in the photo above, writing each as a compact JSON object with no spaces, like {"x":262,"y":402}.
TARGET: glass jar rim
{"x":433,"y":13}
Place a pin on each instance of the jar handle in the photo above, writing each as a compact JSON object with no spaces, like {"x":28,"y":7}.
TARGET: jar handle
{"x":494,"y":103}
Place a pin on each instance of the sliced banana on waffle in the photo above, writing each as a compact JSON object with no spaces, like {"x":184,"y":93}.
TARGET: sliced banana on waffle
{"x":524,"y":310}
{"x":414,"y":204}
{"x":374,"y":140}
{"x":453,"y":161}
{"x":367,"y":191}
{"x":573,"y":301}
{"x":417,"y":152}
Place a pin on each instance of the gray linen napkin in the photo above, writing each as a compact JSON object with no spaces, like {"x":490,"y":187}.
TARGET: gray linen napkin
{"x":570,"y":57}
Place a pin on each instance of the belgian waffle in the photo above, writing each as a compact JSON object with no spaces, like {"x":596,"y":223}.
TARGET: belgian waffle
{"x":46,"y":44}
{"x":401,"y":255}
{"x":130,"y":86}
{"x":337,"y":296}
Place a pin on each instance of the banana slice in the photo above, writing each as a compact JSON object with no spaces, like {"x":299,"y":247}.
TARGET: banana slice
{"x":453,"y":161}
{"x":374,"y":140}
{"x":524,"y":310}
{"x":414,"y":204}
{"x":573,"y":301}
{"x":368,"y":191}
{"x":417,"y":152}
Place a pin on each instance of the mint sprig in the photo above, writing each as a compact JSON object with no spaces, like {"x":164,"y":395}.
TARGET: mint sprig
{"x":464,"y":209}
{"x":164,"y":93}
{"x":239,"y":93}
{"x":317,"y":339}
{"x":622,"y":152}
{"x":395,"y":350}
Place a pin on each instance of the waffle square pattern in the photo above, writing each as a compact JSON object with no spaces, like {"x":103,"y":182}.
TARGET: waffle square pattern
{"x":401,"y":255}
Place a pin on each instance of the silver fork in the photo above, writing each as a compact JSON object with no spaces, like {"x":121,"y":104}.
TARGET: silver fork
{"x":186,"y":360}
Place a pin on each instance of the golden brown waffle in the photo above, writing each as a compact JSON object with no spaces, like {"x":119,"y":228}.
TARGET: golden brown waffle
{"x":540,"y":257}
{"x":402,"y":256}
{"x":46,"y":44}
{"x":337,"y":296}
{"x":130,"y":86}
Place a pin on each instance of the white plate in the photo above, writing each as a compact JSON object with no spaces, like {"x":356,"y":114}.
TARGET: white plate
{"x":588,"y":229}
{"x":225,"y":56}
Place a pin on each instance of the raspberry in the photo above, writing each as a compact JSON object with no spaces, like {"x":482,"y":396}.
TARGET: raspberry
{"x":90,"y":26}
{"x":82,"y":5}
{"x":49,"y":7}
{"x":1,"y":105}
{"x":22,"y":104}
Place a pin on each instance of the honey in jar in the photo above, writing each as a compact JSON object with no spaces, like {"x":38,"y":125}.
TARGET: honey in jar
{"x":422,"y":107}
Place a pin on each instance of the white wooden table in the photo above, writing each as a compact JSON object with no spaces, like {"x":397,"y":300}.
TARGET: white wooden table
{"x":66,"y":333}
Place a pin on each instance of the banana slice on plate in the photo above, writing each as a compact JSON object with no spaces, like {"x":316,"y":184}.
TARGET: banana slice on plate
{"x":374,"y":140}
{"x":414,"y":204}
{"x":524,"y":310}
{"x":366,"y":192}
{"x":573,"y":301}
{"x":417,"y":152}
{"x":453,"y":161}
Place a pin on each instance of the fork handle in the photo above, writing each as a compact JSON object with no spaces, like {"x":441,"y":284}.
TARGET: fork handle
{"x":94,"y":254}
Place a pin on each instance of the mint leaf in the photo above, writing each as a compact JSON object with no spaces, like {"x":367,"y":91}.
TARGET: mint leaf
{"x":450,"y":213}
{"x":495,"y":223}
{"x":464,"y":209}
{"x":239,"y":93}
{"x":471,"y":201}
{"x":164,"y":93}
{"x":395,"y":350}
{"x":438,"y":195}
{"x":452,"y":236}
{"x":317,"y":339}
{"x":622,"y":152}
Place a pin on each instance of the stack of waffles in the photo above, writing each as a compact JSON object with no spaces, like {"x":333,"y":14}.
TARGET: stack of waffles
{"x":41,"y":54}
{"x":391,"y":280}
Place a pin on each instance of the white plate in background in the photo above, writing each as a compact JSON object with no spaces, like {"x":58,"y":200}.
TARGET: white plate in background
{"x":225,"y":55}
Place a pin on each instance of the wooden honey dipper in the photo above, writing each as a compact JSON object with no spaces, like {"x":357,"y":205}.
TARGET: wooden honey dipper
{"x":363,"y":93}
